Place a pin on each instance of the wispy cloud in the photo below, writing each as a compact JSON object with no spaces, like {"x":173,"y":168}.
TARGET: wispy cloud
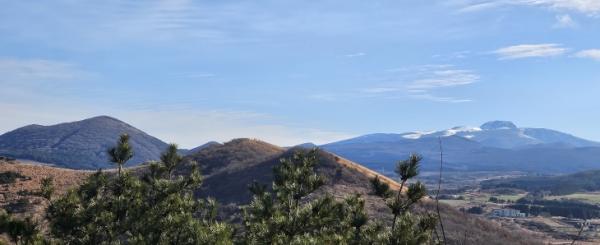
{"x":429,"y":80}
{"x":443,"y":79}
{"x":565,"y":21}
{"x":196,"y":75}
{"x":480,"y":6}
{"x":589,"y":53}
{"x":585,"y":6}
{"x":590,"y":7}
{"x":431,"y":97}
{"x":378,"y":90}
{"x":530,"y":51}
{"x":354,"y":55}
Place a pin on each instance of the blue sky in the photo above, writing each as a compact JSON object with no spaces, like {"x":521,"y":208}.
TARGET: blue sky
{"x":290,"y":72}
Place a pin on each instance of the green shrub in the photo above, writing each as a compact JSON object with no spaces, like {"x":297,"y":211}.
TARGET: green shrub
{"x":10,"y":177}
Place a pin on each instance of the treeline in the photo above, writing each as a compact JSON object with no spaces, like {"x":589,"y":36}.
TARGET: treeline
{"x":159,"y":206}
{"x":564,"y":208}
{"x":555,"y":185}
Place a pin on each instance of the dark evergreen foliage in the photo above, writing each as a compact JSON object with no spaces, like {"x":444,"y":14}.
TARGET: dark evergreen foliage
{"x":21,"y":231}
{"x":151,"y":209}
{"x":564,"y":208}
{"x":121,"y":153}
{"x":10,"y":177}
{"x":290,"y":215}
{"x":380,"y":188}
{"x":555,"y":185}
{"x":47,"y":188}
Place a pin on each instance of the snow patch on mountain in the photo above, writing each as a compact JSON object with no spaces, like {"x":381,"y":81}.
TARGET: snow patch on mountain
{"x":416,"y":135}
{"x":459,"y":130}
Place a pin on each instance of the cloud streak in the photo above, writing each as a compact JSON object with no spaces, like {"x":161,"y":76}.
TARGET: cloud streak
{"x":429,"y":80}
{"x":354,"y":55}
{"x":589,"y":54}
{"x":444,"y":79}
{"x":530,"y":51}
{"x":589,"y":7}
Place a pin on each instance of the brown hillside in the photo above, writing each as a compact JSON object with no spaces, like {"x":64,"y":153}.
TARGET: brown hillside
{"x":344,"y":178}
{"x":236,"y":154}
{"x":19,"y":197}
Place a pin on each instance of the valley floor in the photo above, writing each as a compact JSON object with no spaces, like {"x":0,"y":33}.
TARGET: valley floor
{"x":462,"y":191}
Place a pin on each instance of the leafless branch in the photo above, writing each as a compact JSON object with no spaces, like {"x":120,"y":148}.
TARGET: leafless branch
{"x":437,"y":195}
{"x":580,"y":231}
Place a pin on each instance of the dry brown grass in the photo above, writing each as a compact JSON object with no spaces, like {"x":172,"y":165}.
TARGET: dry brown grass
{"x":63,"y":179}
{"x":22,"y":191}
{"x":366,"y":171}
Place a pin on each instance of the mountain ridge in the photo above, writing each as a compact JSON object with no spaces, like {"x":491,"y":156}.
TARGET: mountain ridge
{"x":495,"y":146}
{"x":78,"y":144}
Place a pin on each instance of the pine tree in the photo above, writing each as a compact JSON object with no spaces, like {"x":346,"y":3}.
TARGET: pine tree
{"x":150,"y":208}
{"x":47,"y":188}
{"x":406,"y":169}
{"x":171,"y":159}
{"x":291,"y":215}
{"x":283,"y":216}
{"x":381,"y":189}
{"x":406,"y":228}
{"x":122,"y":152}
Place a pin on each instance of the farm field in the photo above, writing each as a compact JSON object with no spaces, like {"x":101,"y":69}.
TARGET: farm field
{"x":589,"y":197}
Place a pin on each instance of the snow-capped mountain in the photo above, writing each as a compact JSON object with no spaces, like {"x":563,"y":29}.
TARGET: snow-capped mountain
{"x":493,"y":145}
{"x":505,"y":134}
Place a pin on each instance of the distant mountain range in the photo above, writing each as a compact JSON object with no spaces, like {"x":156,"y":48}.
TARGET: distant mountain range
{"x":78,"y":145}
{"x":496,"y":145}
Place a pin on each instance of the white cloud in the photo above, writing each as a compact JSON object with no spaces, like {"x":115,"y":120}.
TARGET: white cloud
{"x":530,"y":50}
{"x":590,"y":7}
{"x":431,"y":97}
{"x":565,"y":21}
{"x":445,"y":78}
{"x":590,"y":54}
{"x":354,"y":55}
{"x":475,"y":7}
{"x":423,"y":81}
{"x":378,"y":90}
{"x":196,"y":75}
{"x":585,"y":6}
